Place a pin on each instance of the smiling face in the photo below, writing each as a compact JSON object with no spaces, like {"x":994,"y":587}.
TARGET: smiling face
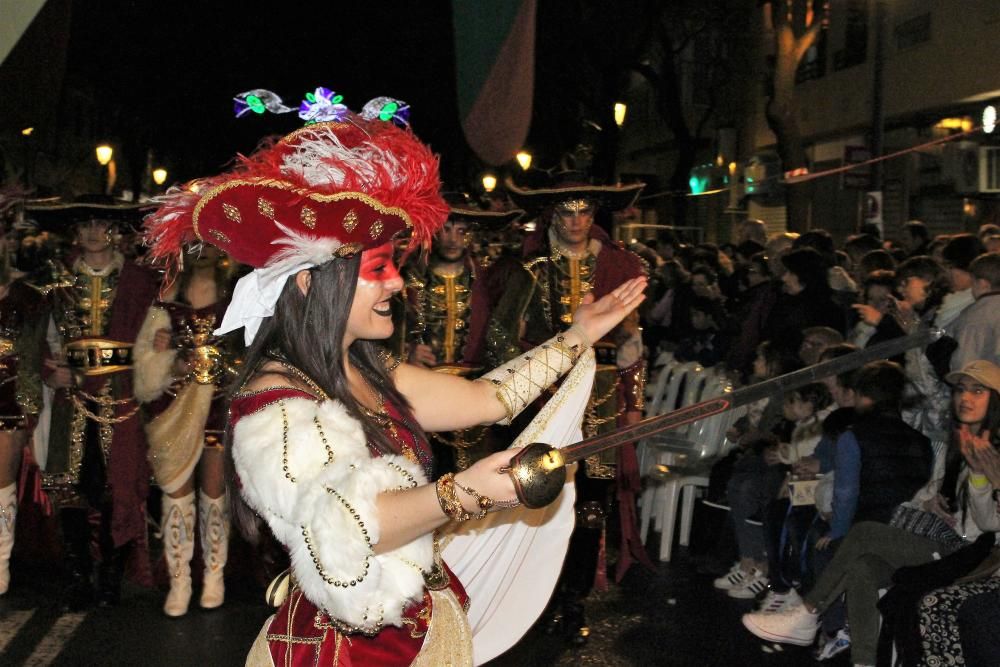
{"x":970,"y":400}
{"x":378,"y":280}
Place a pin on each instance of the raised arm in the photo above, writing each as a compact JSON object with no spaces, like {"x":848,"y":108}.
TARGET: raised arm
{"x":444,"y":402}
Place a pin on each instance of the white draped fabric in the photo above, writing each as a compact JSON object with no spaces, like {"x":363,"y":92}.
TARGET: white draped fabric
{"x":509,"y":563}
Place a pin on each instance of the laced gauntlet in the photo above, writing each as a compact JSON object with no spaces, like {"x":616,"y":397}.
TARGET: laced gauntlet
{"x":522,"y":379}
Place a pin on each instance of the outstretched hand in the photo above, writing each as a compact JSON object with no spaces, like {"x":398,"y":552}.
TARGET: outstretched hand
{"x":597,"y":318}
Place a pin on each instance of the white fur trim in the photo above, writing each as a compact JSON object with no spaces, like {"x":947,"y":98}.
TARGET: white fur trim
{"x":391,"y":582}
{"x":153,"y":370}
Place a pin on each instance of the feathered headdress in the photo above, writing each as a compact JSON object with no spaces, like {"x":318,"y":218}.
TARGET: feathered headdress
{"x":327,"y":190}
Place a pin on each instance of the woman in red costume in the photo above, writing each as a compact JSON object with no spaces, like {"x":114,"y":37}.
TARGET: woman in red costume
{"x":327,"y":432}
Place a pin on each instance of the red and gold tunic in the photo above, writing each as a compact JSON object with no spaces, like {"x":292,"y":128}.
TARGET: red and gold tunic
{"x":302,"y":632}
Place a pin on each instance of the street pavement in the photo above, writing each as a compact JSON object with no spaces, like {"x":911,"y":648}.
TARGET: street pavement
{"x":668,"y":617}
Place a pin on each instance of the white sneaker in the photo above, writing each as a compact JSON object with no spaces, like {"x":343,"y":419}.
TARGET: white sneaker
{"x":753,"y":585}
{"x":774,"y":602}
{"x":792,"y":626}
{"x":835,"y":645}
{"x":731,"y":579}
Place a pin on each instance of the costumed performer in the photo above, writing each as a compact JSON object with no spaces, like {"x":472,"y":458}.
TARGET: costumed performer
{"x":327,"y":432}
{"x":567,"y":260}
{"x":181,"y":371}
{"x":23,"y":321}
{"x":438,"y":312}
{"x":95,"y":469}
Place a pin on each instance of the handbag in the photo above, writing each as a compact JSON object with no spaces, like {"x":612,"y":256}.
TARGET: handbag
{"x":926,"y":524}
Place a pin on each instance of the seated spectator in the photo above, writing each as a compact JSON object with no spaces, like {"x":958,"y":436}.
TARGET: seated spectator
{"x":874,"y":261}
{"x":960,"y":251}
{"x":870,"y":554}
{"x":749,"y":315}
{"x":704,"y":345}
{"x":857,"y":246}
{"x":977,"y":329}
{"x":786,"y":525}
{"x":776,"y":248}
{"x":668,"y":319}
{"x":705,"y":283}
{"x":806,"y":301}
{"x":914,"y":238}
{"x":815,"y":340}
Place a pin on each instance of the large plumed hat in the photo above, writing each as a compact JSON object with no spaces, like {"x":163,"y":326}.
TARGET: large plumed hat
{"x":325,"y":191}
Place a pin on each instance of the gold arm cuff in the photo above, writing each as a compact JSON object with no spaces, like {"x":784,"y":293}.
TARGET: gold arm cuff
{"x":523,"y":379}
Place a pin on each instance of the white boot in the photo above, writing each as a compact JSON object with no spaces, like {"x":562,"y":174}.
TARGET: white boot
{"x":213,"y":525}
{"x":178,"y":548}
{"x":8,"y":515}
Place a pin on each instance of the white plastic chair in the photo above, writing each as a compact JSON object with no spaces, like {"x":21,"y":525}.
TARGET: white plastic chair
{"x":697,"y":446}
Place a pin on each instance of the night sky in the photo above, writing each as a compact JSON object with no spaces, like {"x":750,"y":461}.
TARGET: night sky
{"x":163,"y":74}
{"x":171,"y":69}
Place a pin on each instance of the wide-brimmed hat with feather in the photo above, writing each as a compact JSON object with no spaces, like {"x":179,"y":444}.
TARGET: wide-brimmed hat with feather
{"x":326,"y":191}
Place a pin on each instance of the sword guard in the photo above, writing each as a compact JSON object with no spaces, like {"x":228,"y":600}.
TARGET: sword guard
{"x":539,"y":474}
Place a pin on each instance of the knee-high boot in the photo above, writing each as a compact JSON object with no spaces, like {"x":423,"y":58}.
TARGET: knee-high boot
{"x":213,"y":526}
{"x":8,"y":515}
{"x":178,"y":548}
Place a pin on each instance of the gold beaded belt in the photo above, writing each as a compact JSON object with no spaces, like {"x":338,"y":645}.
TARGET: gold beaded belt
{"x":98,"y":356}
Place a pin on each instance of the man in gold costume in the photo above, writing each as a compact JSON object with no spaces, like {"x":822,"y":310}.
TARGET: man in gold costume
{"x":567,"y":260}
{"x":96,"y":468}
{"x":438,"y":312}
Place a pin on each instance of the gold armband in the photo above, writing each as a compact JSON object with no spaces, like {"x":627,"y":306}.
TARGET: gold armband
{"x":523,"y":379}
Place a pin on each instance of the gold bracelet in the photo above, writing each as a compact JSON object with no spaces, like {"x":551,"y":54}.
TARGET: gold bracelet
{"x":483,"y":502}
{"x":448,"y":499}
{"x":487,"y":504}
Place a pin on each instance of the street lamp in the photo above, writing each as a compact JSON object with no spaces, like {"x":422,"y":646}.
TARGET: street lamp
{"x":159,"y":175}
{"x":989,"y":119}
{"x":104,"y":154}
{"x":27,"y":131}
{"x":524,"y":159}
{"x":489,"y":183}
{"x":620,"y":109}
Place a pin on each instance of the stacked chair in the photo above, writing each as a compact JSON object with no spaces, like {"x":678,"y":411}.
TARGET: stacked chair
{"x":676,"y":464}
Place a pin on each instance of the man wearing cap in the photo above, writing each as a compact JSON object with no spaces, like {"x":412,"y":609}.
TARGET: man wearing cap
{"x":438,"y":310}
{"x":96,"y":463}
{"x":568,"y":260}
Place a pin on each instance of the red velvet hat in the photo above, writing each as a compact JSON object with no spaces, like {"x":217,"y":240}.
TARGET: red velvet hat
{"x":324,"y":191}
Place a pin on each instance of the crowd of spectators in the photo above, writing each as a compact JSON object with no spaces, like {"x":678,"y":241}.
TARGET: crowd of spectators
{"x":860,"y":508}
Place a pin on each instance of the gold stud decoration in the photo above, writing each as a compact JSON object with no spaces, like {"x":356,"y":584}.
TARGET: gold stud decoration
{"x":308,"y":217}
{"x":350,"y":220}
{"x":266,"y":208}
{"x":232,"y":213}
{"x":376,"y":229}
{"x":219,"y":236}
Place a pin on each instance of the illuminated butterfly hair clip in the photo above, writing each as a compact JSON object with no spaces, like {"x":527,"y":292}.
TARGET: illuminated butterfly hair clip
{"x":321,"y":105}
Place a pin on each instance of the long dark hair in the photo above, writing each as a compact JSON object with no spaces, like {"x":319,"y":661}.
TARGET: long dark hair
{"x":306,"y":331}
{"x":955,"y":462}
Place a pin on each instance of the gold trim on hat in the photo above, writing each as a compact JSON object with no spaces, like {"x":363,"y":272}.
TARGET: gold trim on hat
{"x":368,"y":200}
